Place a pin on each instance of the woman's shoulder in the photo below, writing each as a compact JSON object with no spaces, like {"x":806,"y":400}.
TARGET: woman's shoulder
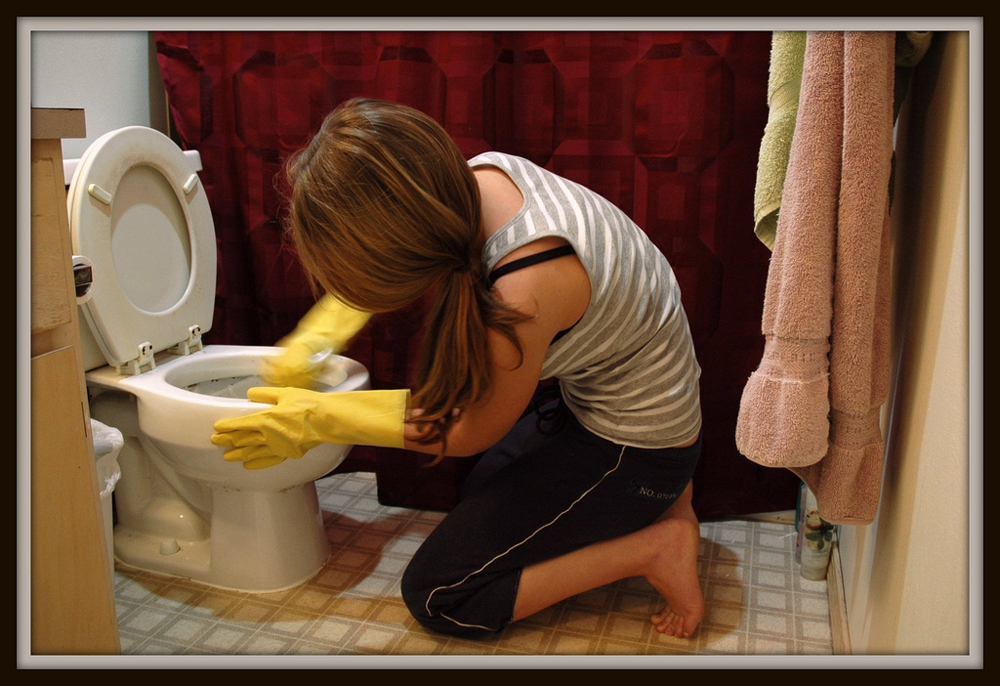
{"x":512,"y":164}
{"x":490,"y":155}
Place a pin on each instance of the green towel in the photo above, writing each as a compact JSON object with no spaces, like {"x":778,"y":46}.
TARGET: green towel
{"x":785,"y":77}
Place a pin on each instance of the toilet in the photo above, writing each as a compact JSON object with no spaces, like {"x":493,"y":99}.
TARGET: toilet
{"x":145,"y":261}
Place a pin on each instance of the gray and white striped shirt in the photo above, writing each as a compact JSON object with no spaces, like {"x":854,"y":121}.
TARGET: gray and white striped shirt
{"x":627,"y":369}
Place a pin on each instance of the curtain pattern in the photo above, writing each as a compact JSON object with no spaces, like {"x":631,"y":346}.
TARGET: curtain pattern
{"x":667,"y":125}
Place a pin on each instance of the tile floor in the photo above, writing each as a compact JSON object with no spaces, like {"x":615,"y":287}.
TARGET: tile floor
{"x":757,"y":603}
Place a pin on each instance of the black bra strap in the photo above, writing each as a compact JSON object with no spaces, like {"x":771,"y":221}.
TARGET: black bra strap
{"x":530,"y":260}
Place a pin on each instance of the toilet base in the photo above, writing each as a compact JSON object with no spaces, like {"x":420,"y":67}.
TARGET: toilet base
{"x":256,"y":542}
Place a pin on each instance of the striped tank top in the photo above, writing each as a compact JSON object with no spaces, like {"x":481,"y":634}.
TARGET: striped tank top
{"x":627,"y":370}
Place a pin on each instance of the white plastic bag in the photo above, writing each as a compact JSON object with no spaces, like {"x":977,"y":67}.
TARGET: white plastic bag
{"x":108,"y":442}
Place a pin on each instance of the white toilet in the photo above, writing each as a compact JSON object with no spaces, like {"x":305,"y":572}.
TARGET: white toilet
{"x":141,"y":224}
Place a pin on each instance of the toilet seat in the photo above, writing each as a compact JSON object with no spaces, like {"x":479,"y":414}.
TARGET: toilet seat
{"x":139,"y":213}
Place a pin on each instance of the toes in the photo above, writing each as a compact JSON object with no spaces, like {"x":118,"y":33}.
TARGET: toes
{"x":672,"y":624}
{"x":666,"y":622}
{"x":660,"y":621}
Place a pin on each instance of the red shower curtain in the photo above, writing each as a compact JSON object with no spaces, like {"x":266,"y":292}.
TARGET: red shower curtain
{"x":666,"y":125}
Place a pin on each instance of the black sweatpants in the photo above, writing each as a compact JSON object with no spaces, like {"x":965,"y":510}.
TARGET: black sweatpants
{"x":532,"y":497}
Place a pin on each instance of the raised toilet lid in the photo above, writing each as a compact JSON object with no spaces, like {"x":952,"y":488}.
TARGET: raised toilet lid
{"x":139,"y":213}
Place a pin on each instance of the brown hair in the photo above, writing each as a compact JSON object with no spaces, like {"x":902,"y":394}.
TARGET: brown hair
{"x":383,"y":208}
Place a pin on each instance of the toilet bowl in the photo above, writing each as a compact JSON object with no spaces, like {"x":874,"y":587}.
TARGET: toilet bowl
{"x":142,"y":228}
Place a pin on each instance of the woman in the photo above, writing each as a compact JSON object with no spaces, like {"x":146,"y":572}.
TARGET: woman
{"x":534,"y":277}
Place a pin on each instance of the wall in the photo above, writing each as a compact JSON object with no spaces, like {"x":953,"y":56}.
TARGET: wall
{"x":906,"y":575}
{"x":108,"y":73}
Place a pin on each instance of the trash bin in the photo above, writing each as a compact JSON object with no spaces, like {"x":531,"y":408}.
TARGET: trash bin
{"x":108,"y":442}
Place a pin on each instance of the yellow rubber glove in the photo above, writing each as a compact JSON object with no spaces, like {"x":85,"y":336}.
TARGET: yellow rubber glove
{"x":326,"y":328}
{"x":301,"y":419}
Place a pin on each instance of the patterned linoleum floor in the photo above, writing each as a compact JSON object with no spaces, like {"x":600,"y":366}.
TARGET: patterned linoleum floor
{"x":757,"y":603}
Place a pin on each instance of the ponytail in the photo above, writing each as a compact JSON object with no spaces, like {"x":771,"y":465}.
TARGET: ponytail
{"x":455,"y":368}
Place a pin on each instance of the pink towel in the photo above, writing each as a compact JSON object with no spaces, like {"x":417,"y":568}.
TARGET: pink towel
{"x":813,"y":404}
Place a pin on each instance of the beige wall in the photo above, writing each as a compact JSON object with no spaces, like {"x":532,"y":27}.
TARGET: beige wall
{"x":906,"y":575}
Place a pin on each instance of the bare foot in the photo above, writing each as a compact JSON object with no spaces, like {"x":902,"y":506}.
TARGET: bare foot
{"x":675,"y":574}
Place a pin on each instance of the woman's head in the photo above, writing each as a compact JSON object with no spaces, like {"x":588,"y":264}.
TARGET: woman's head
{"x":384,"y":207}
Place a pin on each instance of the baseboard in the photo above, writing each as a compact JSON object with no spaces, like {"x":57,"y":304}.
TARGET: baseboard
{"x":779,"y":517}
{"x":839,"y":628}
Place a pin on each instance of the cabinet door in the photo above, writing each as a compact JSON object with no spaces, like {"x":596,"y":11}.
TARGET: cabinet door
{"x":72,"y":597}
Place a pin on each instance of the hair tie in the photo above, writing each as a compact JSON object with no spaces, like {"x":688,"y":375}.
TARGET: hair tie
{"x":466,"y":267}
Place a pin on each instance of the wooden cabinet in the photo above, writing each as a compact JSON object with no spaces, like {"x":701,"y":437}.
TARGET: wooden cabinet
{"x":72,"y":596}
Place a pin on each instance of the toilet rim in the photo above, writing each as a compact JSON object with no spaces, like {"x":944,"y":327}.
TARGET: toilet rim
{"x":172,"y":377}
{"x":120,"y":326}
